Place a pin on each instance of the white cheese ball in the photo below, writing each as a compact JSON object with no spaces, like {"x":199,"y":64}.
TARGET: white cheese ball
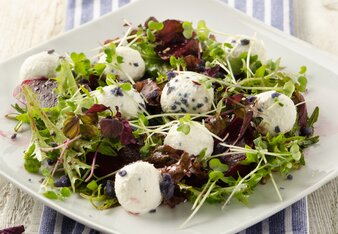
{"x":137,"y":187}
{"x":187,"y":93}
{"x":130,"y":102}
{"x":241,"y":44}
{"x":40,"y":65}
{"x":133,"y":64}
{"x":278,"y":112}
{"x":198,"y":139}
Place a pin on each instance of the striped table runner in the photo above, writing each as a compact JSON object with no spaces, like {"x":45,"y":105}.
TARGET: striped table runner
{"x":277,"y":13}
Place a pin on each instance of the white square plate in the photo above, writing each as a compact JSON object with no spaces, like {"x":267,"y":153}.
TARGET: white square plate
{"x":322,"y":161}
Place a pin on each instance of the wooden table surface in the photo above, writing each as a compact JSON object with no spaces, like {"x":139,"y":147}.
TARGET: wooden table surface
{"x":26,"y":23}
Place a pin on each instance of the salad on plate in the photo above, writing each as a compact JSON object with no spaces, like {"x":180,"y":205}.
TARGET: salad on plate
{"x":165,"y":114}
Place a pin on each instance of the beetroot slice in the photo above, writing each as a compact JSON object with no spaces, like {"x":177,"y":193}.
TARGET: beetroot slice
{"x":43,"y":88}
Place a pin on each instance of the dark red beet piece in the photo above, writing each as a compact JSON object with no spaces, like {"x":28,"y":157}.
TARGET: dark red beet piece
{"x":171,"y":42}
{"x":150,"y":90}
{"x":172,"y":33}
{"x":43,"y":88}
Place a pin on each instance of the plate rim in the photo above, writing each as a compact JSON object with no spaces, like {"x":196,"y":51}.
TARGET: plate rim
{"x":330,"y":66}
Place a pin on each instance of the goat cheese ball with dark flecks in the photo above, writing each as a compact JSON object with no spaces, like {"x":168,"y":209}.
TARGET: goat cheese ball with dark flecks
{"x":40,"y":65}
{"x":198,"y":139}
{"x":137,"y":187}
{"x":187,"y":93}
{"x":242,"y":44}
{"x":129,"y":103}
{"x":132,"y":67}
{"x":278,"y":112}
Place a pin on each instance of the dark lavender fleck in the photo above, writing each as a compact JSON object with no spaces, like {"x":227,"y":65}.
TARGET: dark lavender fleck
{"x":199,"y":105}
{"x":233,"y":41}
{"x":185,"y":95}
{"x":289,"y":177}
{"x":152,"y":211}
{"x":117,"y":91}
{"x":153,"y":95}
{"x":51,"y":51}
{"x":170,"y":89}
{"x":206,"y":99}
{"x":13,"y":136}
{"x":177,"y":103}
{"x":277,"y":129}
{"x":29,"y":179}
{"x":275,"y":94}
{"x":171,"y":75}
{"x":173,"y":107}
{"x":183,"y":110}
{"x":122,"y":173}
{"x":251,"y":98}
{"x":260,"y":109}
{"x":245,"y":42}
{"x":180,"y":94}
{"x":184,"y":101}
{"x":142,"y":105}
{"x":176,"y":80}
{"x":135,"y":64}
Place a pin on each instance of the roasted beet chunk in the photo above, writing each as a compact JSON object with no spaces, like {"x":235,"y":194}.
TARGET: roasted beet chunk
{"x":150,"y":90}
{"x":172,"y":32}
{"x":63,"y":181}
{"x":171,"y":42}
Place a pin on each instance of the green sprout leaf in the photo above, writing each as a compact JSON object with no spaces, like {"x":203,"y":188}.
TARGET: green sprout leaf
{"x":126,"y":86}
{"x":314,"y":117}
{"x":185,"y":128}
{"x":260,"y":72}
{"x":81,"y":63}
{"x":187,"y":29}
{"x":92,"y":185}
{"x":110,"y":52}
{"x":51,"y":195}
{"x":216,"y":165}
{"x":302,"y":70}
{"x":99,"y":68}
{"x":32,"y":164}
{"x":289,"y":88}
{"x":302,"y":83}
{"x":111,"y":79}
{"x":65,"y":192}
{"x":153,"y":25}
{"x":150,"y":35}
{"x":295,"y":152}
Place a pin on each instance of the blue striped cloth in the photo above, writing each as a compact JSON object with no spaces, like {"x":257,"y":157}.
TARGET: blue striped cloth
{"x":277,"y":13}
